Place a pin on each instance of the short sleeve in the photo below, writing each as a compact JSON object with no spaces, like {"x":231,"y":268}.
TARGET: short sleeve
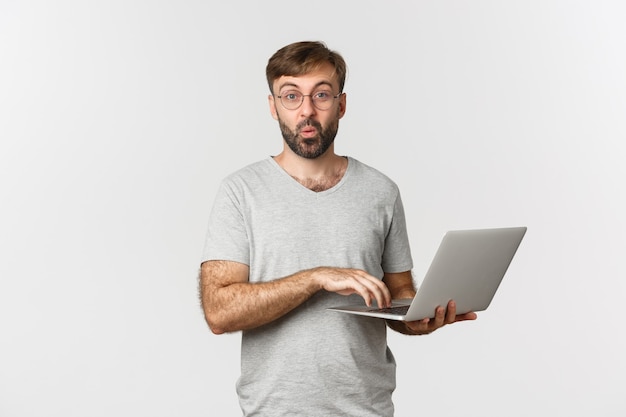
{"x":397,"y":254}
{"x":226,"y":237}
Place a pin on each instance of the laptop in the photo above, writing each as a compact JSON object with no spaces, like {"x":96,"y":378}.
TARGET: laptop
{"x":467,"y":268}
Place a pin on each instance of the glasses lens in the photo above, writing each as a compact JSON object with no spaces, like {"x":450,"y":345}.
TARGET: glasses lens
{"x":291,"y":99}
{"x":322,"y":99}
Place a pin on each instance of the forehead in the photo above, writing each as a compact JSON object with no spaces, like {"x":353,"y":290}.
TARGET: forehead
{"x":323,"y":76}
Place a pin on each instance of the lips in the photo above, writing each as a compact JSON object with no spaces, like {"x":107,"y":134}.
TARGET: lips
{"x":308,"y":132}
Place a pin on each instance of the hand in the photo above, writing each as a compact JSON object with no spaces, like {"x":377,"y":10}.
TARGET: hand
{"x":442,"y":317}
{"x":346,"y":281}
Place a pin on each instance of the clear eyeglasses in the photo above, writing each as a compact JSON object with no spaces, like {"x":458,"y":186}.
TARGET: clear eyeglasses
{"x":293,"y":99}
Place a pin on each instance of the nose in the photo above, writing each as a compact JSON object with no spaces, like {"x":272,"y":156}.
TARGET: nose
{"x":307,"y":107}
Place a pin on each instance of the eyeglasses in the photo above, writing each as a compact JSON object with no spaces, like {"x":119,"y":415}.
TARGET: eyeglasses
{"x":293,"y":99}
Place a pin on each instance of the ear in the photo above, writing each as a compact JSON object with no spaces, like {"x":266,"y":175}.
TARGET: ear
{"x":342,"y":105}
{"x":272,"y":102}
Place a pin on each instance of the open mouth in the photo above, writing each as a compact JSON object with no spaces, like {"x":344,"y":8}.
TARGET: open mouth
{"x":308,"y":132}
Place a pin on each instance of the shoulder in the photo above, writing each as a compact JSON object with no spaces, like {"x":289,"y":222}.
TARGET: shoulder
{"x":372,"y":177}
{"x":254,"y":169}
{"x":250,"y":175}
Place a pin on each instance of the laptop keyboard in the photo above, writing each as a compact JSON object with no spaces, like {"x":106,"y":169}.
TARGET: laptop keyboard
{"x":398,"y":310}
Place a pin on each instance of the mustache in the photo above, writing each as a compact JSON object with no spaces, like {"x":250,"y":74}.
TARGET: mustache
{"x":309,"y":122}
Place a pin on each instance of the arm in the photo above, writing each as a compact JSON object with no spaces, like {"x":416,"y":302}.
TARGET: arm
{"x":401,"y":286}
{"x":231,"y":303}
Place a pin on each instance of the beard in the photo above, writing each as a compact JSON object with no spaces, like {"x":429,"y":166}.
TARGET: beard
{"x":312,"y":147}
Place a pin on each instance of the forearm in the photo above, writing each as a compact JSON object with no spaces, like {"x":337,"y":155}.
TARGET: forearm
{"x":244,"y":305}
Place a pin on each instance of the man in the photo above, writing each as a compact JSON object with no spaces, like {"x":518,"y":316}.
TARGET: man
{"x":294,"y":234}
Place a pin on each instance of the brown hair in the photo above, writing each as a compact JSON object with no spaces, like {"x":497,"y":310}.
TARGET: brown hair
{"x":301,"y":58}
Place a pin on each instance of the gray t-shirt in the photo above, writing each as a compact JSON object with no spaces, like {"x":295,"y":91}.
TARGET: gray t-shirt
{"x":312,"y":362}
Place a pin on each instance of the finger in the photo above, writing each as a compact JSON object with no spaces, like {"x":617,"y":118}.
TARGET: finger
{"x":369,"y":291}
{"x":373,"y":292}
{"x":466,"y":316}
{"x":383,"y":296}
{"x":363,"y":292}
{"x":451,"y":312}
{"x":440,"y":316}
{"x":377,"y":289}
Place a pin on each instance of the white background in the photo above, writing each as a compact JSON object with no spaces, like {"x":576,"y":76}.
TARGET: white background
{"x":118,"y":119}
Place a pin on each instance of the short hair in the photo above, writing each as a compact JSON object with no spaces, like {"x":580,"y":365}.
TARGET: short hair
{"x":302,"y":58}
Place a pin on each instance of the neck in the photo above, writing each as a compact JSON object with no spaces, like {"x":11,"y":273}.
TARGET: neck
{"x":317,"y":174}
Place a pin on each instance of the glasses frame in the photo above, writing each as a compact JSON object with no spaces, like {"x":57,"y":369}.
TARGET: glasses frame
{"x":312,"y":101}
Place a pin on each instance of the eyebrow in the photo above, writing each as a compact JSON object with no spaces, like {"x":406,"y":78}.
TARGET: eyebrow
{"x":290,"y":84}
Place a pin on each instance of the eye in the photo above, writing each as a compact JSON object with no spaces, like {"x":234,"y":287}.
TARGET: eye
{"x":291,"y":96}
{"x":322,"y":95}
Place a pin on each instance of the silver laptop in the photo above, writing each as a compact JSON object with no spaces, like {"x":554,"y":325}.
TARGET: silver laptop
{"x":467,"y":268}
